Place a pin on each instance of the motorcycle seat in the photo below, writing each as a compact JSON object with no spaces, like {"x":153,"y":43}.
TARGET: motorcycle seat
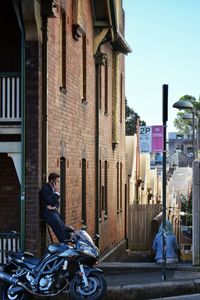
{"x":53,"y":248}
{"x":22,"y":259}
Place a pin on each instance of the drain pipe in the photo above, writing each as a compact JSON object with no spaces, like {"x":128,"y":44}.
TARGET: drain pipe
{"x":23,"y":126}
{"x":44,"y":99}
{"x":49,"y":9}
{"x":97,"y":68}
{"x":44,"y":118}
{"x":100,"y":59}
{"x":23,"y":120}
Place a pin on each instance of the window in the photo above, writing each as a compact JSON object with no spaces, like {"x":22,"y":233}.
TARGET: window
{"x":105,"y":204}
{"x":119,"y":186}
{"x":118,"y":190}
{"x":121,"y":195}
{"x":121,"y":97}
{"x":63,"y":50}
{"x":115,"y":99}
{"x":100,"y":86}
{"x":62,"y":186}
{"x":84,"y":191}
{"x":106,"y":87}
{"x":84,"y":68}
{"x":100,"y":191}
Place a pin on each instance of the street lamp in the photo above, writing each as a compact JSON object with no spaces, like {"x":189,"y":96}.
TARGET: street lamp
{"x":185,"y":104}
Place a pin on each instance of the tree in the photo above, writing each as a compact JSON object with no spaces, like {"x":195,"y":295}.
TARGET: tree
{"x":186,"y":206}
{"x":185,"y":125}
{"x":131,"y":120}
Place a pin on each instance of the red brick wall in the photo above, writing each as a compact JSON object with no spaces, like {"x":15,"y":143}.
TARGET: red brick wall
{"x":33,"y":134}
{"x":71,"y":131}
{"x":70,"y":120}
{"x":112,"y":229}
{"x":74,"y":123}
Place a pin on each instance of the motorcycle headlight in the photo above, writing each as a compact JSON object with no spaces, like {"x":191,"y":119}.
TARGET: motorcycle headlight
{"x":84,"y":248}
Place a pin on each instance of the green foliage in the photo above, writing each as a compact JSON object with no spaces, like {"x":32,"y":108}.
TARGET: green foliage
{"x":131,"y":120}
{"x":185,"y":125}
{"x":192,"y":99}
{"x":186,"y":206}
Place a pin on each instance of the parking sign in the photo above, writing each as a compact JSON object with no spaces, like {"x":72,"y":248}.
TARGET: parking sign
{"x":151,"y":139}
{"x":145,"y":139}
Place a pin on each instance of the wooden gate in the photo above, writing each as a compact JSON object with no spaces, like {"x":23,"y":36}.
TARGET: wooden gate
{"x":140,"y":233}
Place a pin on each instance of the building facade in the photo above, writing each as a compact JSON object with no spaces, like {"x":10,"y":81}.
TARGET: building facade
{"x":179,"y":141}
{"x":180,"y":149}
{"x":63,"y":109}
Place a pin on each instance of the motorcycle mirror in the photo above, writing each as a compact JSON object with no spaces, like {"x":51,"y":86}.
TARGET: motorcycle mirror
{"x":96,"y":237}
{"x":69,"y":228}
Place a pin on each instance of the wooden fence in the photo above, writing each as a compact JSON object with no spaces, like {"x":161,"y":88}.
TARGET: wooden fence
{"x":140,"y":231}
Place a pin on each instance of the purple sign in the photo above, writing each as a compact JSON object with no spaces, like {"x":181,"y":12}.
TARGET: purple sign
{"x":157,"y":138}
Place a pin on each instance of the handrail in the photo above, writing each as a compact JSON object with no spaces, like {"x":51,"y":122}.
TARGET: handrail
{"x":9,"y":74}
{"x":10,"y":104}
{"x":9,"y":242}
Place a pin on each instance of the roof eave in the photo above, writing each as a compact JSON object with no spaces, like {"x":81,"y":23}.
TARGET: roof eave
{"x":120,"y":44}
{"x":109,"y":20}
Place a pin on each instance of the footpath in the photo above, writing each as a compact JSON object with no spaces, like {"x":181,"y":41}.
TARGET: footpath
{"x":138,"y":281}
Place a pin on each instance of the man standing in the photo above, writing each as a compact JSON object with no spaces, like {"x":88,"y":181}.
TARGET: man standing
{"x":49,"y":199}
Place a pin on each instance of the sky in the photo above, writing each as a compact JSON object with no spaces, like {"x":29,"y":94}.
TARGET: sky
{"x":164,"y":36}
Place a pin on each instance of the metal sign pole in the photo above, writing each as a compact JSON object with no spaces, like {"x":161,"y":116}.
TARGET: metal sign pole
{"x":164,"y":181}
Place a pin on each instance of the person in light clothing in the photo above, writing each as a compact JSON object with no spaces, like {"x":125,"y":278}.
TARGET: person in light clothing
{"x":171,"y":245}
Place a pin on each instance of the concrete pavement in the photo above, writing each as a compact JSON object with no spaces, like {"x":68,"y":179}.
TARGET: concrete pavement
{"x":185,"y":297}
{"x":137,"y":281}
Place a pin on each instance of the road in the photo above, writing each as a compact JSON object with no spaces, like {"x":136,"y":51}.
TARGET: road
{"x":185,"y":297}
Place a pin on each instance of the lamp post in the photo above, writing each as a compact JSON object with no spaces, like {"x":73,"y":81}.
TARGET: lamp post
{"x":185,"y":104}
{"x":182,"y":104}
{"x":164,"y":179}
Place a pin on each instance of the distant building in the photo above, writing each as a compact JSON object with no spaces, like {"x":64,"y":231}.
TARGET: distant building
{"x":180,"y":149}
{"x":144,"y":174}
{"x":179,"y":141}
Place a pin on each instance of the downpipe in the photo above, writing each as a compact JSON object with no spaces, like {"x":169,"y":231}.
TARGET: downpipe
{"x":15,"y":281}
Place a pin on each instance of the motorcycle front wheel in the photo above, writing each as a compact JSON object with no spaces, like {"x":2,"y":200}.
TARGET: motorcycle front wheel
{"x":95,"y":290}
{"x":11,"y":292}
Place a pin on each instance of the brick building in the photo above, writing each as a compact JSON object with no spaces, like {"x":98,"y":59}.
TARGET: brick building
{"x":62,"y":109}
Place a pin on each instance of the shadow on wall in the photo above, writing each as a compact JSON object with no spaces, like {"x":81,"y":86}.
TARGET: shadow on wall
{"x":9,"y":195}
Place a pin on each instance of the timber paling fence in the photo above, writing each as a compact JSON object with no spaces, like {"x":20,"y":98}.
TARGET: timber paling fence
{"x":140,"y":231}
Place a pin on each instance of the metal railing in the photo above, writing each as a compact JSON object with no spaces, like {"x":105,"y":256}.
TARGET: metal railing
{"x":10,"y":106}
{"x":9,"y":242}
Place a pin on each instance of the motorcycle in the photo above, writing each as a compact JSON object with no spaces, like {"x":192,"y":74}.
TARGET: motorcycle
{"x":65,"y":268}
